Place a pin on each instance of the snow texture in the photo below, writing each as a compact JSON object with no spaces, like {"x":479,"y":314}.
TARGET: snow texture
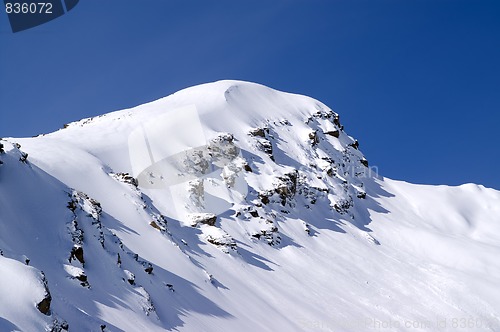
{"x":232,"y":206}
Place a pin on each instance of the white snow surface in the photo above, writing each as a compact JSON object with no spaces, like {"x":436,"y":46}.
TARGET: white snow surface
{"x":287,"y":230}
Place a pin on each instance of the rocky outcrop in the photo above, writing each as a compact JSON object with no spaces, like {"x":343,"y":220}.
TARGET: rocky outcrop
{"x":222,"y":149}
{"x":266,"y":146}
{"x":313,"y":137}
{"x":130,"y":277}
{"x":125,"y":178}
{"x":24,"y":157}
{"x":259,"y":132}
{"x":59,"y":326}
{"x":222,"y":240}
{"x":284,"y":187}
{"x":77,"y":253}
{"x":334,"y":133}
{"x":202,"y":219}
{"x":44,"y":305}
{"x":262,"y":138}
{"x":270,"y":235}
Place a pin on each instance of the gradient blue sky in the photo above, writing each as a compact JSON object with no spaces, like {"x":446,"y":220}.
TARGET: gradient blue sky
{"x":417,"y":82}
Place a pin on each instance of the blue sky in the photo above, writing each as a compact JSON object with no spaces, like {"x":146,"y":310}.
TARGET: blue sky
{"x":417,"y":82}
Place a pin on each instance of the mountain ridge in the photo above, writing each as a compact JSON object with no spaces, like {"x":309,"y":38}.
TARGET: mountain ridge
{"x":231,"y":205}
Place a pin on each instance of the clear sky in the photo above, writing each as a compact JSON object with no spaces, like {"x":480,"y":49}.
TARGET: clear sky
{"x":417,"y":82}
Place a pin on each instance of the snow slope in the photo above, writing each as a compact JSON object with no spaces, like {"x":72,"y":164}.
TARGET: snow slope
{"x":232,"y":206}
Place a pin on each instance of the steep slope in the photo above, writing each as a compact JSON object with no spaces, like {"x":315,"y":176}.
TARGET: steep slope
{"x":234,"y":206}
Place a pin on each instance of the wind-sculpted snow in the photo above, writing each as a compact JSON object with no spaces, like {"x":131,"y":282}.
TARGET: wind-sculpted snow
{"x":232,"y":206}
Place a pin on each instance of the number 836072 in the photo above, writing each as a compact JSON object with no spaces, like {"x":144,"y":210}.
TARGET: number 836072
{"x":28,"y":8}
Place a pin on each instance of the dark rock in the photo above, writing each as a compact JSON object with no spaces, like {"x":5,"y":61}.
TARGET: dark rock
{"x":44,"y":305}
{"x":82,"y":277}
{"x":254,"y":213}
{"x":324,"y":114}
{"x":287,"y":186}
{"x":126,"y":178}
{"x":223,"y":138}
{"x":72,"y":205}
{"x":83,"y":280}
{"x":24,"y":157}
{"x":149,"y":269}
{"x":260,"y":132}
{"x":58,"y":326}
{"x":224,"y":242}
{"x":364,"y":162}
{"x":334,"y":133}
{"x":330,"y":172}
{"x":313,"y":136}
{"x":271,"y":236}
{"x":154,"y":225}
{"x":265,"y":146}
{"x":307,"y":229}
{"x":77,"y":253}
{"x":264,"y":198}
{"x":343,"y":205}
{"x":130,"y":277}
{"x":336,"y":121}
{"x":203,"y":218}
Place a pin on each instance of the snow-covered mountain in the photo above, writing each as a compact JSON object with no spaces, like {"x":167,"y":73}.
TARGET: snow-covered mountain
{"x":232,"y":206}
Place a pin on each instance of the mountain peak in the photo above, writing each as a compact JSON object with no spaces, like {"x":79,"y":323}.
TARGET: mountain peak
{"x":225,"y":205}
